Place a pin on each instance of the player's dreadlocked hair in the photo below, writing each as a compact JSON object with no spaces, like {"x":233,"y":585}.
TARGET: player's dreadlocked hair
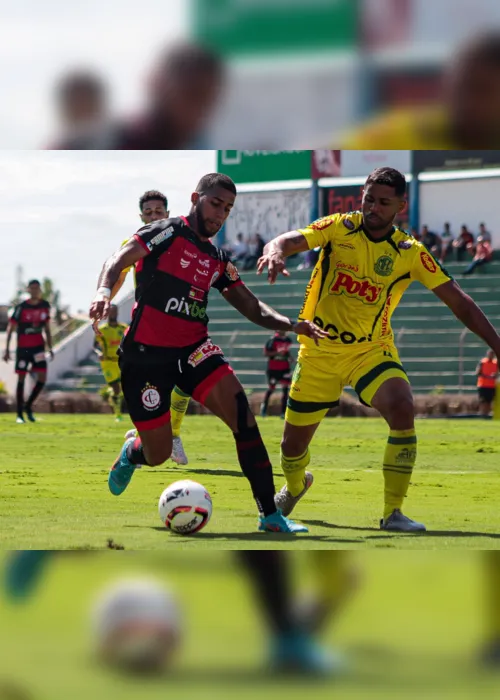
{"x":390,"y":177}
{"x":152,"y":194}
{"x":215,"y":180}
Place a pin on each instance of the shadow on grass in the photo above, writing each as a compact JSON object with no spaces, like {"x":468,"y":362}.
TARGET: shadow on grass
{"x":251,"y":536}
{"x":387,"y":535}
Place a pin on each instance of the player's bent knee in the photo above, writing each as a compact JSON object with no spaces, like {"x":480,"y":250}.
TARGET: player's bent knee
{"x":401,"y":412}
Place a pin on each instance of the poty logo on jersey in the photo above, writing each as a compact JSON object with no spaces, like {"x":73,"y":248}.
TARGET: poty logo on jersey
{"x":428,"y":262}
{"x":150,"y":397}
{"x":160,"y":237}
{"x":192,"y":310}
{"x":346,"y":283}
{"x":207,"y":349}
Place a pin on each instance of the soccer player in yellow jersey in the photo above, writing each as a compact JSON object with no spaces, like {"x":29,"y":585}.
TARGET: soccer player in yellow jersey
{"x":106,"y":346}
{"x":365,"y":266}
{"x":153,"y":206}
{"x":467,"y":118}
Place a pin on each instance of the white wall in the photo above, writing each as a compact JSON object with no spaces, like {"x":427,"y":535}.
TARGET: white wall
{"x":268,"y":213}
{"x":462,"y":202}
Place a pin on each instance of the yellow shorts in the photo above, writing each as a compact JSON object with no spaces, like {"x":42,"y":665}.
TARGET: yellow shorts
{"x":111,"y":371}
{"x":320,"y":377}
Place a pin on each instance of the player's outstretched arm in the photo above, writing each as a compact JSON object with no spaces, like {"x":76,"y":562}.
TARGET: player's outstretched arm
{"x":263,"y":315}
{"x":469,"y":313}
{"x":124,"y":258}
{"x":276,"y":252}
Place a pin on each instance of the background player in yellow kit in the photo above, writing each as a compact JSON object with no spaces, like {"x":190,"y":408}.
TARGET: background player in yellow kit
{"x":153,"y":206}
{"x":365,"y":266}
{"x":106,"y":346}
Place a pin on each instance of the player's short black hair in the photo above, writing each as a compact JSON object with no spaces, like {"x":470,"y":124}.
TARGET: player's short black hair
{"x":34,"y":282}
{"x":185,"y":59}
{"x":483,"y":47}
{"x":80,"y":81}
{"x":211,"y":180}
{"x":152,"y":194}
{"x":390,"y":177}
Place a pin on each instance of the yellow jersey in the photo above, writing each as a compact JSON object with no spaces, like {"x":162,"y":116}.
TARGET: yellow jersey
{"x":358,"y":281}
{"x":420,"y":128}
{"x":110,"y":340}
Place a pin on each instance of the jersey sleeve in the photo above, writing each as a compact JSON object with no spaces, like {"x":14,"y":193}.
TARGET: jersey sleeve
{"x":322,"y":231}
{"x":16,"y":315}
{"x":270,"y":345}
{"x":427,"y":270}
{"x":230,"y":277}
{"x":156,"y":237}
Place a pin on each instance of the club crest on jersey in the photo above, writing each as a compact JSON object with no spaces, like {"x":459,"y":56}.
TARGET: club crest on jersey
{"x":384,"y":266}
{"x":150,"y":397}
{"x":405,"y":245}
{"x":348,"y":224}
{"x":428,"y":261}
{"x":232,"y":272}
{"x":207,"y":349}
{"x":365,"y":289}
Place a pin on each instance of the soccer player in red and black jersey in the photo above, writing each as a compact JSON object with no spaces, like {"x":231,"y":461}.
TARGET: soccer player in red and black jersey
{"x":277,"y":351}
{"x":31,"y":319}
{"x":167,"y":343}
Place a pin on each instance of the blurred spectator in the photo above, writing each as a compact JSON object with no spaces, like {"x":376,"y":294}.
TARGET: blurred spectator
{"x":240,"y":250}
{"x":310,"y":259}
{"x":184,"y":88}
{"x":82,"y":105}
{"x":256,"y":248}
{"x":415,"y":234}
{"x":431,"y":241}
{"x":486,"y":235}
{"x":464,"y":242}
{"x":487,"y":373}
{"x":467,"y":116}
{"x":446,"y":242}
{"x":483,"y":254}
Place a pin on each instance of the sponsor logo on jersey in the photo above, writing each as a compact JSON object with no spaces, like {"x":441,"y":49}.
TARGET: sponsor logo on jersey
{"x":384,"y":265}
{"x":345,"y":245}
{"x":150,"y":397}
{"x":193,"y":309}
{"x":232,"y":272}
{"x":321,"y":224}
{"x":214,"y":277}
{"x":428,"y":261}
{"x":160,"y":237}
{"x":345,"y":337}
{"x":204,"y":273}
{"x":385,"y":316}
{"x":196,"y":294}
{"x":349,"y":224}
{"x":308,"y":289}
{"x":346,"y":266}
{"x":189,"y":254}
{"x":405,"y":245}
{"x":207,"y":349}
{"x":364,"y":289}
{"x":204,"y":263}
{"x":185,"y":263}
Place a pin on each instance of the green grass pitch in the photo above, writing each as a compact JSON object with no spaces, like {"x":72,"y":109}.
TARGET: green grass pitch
{"x":54,"y":493}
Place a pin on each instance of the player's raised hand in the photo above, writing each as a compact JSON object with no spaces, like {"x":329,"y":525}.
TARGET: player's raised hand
{"x":310,"y":329}
{"x":275,"y":263}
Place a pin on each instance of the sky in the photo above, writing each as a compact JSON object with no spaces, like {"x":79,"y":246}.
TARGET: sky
{"x":63,"y":213}
{"x":41,"y":40}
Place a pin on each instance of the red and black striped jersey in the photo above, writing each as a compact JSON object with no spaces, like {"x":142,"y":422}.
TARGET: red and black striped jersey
{"x":29,"y":321}
{"x":173,"y":282}
{"x":281,"y":346}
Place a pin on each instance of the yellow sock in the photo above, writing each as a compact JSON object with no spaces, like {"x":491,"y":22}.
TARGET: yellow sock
{"x":294,"y":469}
{"x":491,"y":564}
{"x":332,"y":576}
{"x":116,"y":403}
{"x":399,"y":459}
{"x":178,"y":406}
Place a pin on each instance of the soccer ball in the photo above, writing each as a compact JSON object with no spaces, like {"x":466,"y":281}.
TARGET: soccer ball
{"x":185,"y":507}
{"x":136,"y":626}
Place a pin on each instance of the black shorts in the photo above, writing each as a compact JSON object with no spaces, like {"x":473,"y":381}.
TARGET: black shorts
{"x":149,"y":375}
{"x":486,"y":394}
{"x":30,"y":360}
{"x":283,"y":376}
